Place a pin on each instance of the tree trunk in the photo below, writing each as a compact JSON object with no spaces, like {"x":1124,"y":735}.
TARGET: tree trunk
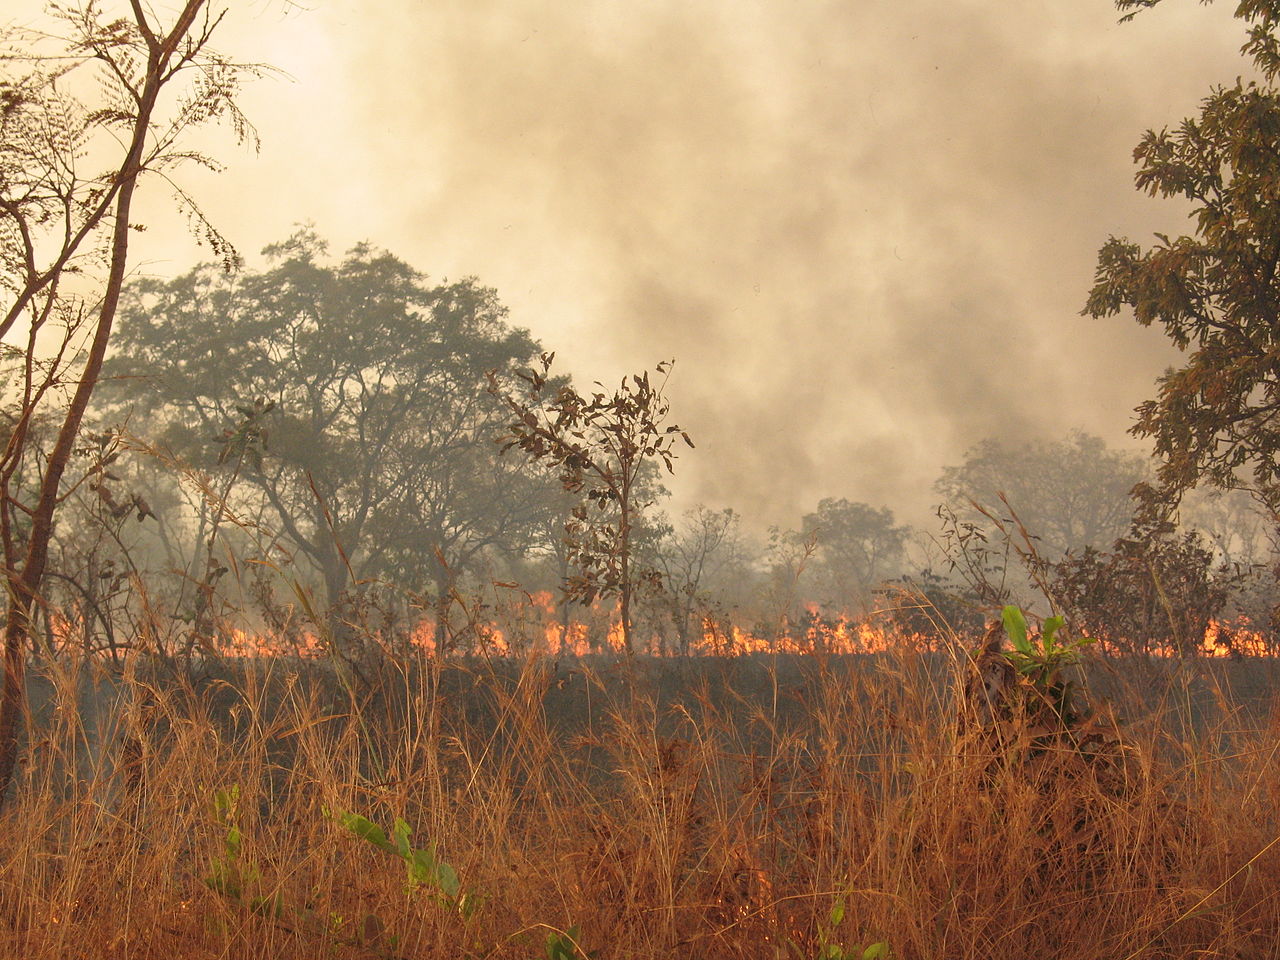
{"x":565,"y":621}
{"x":624,"y":540}
{"x":24,"y":584}
{"x":683,"y":626}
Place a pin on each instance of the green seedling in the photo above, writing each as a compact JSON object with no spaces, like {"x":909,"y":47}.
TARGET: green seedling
{"x":1041,"y":661}
{"x":229,"y":874}
{"x":564,"y":945}
{"x":830,"y":948}
{"x":424,"y":870}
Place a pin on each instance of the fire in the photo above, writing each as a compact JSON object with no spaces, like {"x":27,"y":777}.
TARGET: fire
{"x":1235,"y":638}
{"x":537,"y":625}
{"x":843,"y":635}
{"x":554,"y":635}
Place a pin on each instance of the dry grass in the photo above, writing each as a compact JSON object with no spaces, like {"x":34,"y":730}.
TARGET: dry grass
{"x":723,"y":821}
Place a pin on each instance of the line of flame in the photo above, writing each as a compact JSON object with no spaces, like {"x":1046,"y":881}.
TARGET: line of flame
{"x":552,"y":634}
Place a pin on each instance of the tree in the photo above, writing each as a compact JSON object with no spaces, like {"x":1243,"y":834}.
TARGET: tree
{"x":349,"y":399}
{"x":1070,"y":493}
{"x":604,"y":448}
{"x":1155,"y":590}
{"x":122,"y":92}
{"x":1233,"y":522}
{"x":1216,"y":293}
{"x":858,"y":546}
{"x":707,"y":542}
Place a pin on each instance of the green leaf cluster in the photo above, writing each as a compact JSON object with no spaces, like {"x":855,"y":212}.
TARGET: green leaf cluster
{"x":423,"y":868}
{"x":1215,"y":291}
{"x":1041,"y":660}
{"x":229,"y":873}
{"x":565,"y":945}
{"x":830,"y":948}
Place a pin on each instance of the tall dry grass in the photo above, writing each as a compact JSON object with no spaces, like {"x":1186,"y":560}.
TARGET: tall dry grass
{"x":720,"y":816}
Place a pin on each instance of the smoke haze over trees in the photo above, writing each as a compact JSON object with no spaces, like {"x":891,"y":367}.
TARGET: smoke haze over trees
{"x":314,"y":531}
{"x":825,"y":214}
{"x":1072,"y":493}
{"x":329,"y":412}
{"x":348,"y":402}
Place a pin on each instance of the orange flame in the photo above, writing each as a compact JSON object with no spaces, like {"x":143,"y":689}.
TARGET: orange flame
{"x":542,"y":628}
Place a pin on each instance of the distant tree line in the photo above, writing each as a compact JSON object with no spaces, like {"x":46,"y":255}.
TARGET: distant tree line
{"x":342,"y":421}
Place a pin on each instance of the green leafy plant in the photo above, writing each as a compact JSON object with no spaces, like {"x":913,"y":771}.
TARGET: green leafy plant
{"x":229,"y":873}
{"x":422,"y":867}
{"x":830,"y":948}
{"x":565,"y":945}
{"x":1041,"y":662}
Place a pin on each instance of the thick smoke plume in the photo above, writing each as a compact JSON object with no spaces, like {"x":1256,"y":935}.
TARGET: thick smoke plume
{"x":864,"y":229}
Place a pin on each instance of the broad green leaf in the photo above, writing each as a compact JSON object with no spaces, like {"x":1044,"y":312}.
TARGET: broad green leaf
{"x":837,"y":913}
{"x":877,"y":951}
{"x":1015,"y":626}
{"x":423,"y":867}
{"x":400,"y":831}
{"x":366,"y":829}
{"x":447,"y":880}
{"x":1051,"y":627}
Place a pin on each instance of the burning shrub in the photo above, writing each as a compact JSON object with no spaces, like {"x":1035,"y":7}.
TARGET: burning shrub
{"x":922,"y":604}
{"x":1154,"y":591}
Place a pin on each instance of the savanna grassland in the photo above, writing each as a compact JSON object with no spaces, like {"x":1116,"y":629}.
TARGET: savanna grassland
{"x":368,"y":465}
{"x":709,"y":807}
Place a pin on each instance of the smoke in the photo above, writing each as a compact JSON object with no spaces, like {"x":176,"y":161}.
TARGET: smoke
{"x":864,"y":229}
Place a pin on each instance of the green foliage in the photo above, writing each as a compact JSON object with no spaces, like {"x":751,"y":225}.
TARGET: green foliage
{"x":423,"y":869}
{"x":564,"y":945}
{"x":830,"y":948}
{"x":1041,"y":661}
{"x":229,"y":873}
{"x":1043,"y":658}
{"x":1215,"y":292}
{"x":425,"y":873}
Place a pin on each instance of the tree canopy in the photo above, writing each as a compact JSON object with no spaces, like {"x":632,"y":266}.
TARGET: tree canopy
{"x":857,"y":546}
{"x":348,"y":396}
{"x":1215,"y":291}
{"x":1070,"y":493}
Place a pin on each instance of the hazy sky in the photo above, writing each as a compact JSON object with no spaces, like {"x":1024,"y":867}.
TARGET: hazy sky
{"x":864,"y":229}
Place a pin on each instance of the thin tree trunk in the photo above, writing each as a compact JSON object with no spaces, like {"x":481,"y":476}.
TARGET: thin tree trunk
{"x":24,"y":585}
{"x":625,"y":563}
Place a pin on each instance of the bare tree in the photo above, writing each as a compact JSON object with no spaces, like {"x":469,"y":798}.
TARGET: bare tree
{"x":707,"y":542}
{"x":121,"y":92}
